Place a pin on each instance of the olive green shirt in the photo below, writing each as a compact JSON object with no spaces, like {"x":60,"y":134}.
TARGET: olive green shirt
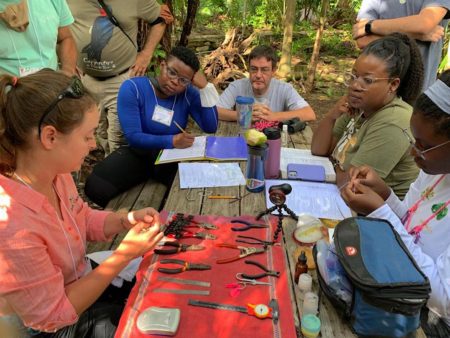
{"x":378,"y":141}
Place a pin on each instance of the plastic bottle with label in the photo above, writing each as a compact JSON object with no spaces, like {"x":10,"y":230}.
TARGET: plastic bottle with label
{"x":284,"y":136}
{"x":272,"y":162}
{"x":255,"y":168}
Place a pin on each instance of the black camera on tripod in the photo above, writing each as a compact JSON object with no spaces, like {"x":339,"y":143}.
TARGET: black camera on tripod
{"x":277,"y":193}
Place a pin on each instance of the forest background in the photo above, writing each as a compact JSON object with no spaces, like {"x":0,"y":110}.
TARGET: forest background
{"x":312,"y":37}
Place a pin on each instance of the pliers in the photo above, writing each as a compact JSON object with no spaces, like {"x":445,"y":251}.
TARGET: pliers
{"x":254,"y":240}
{"x":266,"y":272}
{"x":247,"y":225}
{"x":206,"y":226}
{"x":185,"y":266}
{"x":177,"y":247}
{"x":190,"y":234}
{"x":244,"y":252}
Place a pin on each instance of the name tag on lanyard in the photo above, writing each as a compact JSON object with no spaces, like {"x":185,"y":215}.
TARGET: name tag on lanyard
{"x":163,"y":115}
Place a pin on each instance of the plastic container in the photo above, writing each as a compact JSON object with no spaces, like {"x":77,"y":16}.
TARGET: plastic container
{"x":272,"y":162}
{"x":304,"y":284}
{"x":310,"y":326}
{"x":255,"y":168}
{"x":308,"y":231}
{"x":244,"y":109}
{"x":284,"y":136}
{"x":310,"y":304}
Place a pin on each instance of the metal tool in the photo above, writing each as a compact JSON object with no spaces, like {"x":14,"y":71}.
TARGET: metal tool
{"x":185,"y":266}
{"x":182,"y":292}
{"x":244,"y":252}
{"x":266,"y":272}
{"x":260,"y":311}
{"x":184,"y":281}
{"x":246,"y":281}
{"x":254,"y":240}
{"x":189,"y":234}
{"x":273,"y":304}
{"x":177,"y":247}
{"x":201,"y":225}
{"x":247,"y":225}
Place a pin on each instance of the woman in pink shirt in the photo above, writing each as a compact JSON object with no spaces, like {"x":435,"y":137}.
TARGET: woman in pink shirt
{"x":47,"y":125}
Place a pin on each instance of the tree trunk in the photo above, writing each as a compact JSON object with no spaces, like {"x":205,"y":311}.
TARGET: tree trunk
{"x":284,"y":69}
{"x":166,"y":41}
{"x":315,"y":55}
{"x":189,"y":22}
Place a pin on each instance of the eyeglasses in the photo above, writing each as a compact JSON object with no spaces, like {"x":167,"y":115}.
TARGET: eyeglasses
{"x":419,"y":152}
{"x":264,"y":70}
{"x":364,"y":81}
{"x":74,"y":91}
{"x":173,"y":75}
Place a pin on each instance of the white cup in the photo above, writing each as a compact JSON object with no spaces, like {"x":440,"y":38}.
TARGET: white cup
{"x":310,"y":304}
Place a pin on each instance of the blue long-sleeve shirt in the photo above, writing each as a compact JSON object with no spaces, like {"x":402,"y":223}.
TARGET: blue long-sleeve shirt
{"x":136,"y":102}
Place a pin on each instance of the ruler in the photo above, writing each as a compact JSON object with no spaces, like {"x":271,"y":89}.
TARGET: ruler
{"x":217,"y":306}
{"x":184,"y":281}
{"x":182,"y":291}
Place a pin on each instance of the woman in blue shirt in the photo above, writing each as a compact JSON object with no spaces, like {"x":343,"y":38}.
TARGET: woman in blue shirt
{"x":149,"y":111}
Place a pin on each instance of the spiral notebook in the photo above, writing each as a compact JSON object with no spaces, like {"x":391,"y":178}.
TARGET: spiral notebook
{"x":207,"y":148}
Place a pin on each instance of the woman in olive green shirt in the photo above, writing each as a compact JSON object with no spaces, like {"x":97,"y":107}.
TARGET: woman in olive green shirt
{"x":365,"y":126}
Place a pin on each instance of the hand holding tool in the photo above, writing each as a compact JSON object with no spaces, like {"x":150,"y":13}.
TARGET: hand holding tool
{"x":185,"y":266}
{"x":244,"y":252}
{"x":266,"y":272}
{"x":177,"y":247}
{"x":247,"y":225}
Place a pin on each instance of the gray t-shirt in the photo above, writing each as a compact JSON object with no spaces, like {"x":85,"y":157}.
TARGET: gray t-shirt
{"x":281,"y":95}
{"x":383,"y":9}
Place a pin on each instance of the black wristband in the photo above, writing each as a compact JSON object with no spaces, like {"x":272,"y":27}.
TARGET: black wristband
{"x":368,"y":27}
{"x":157,"y":21}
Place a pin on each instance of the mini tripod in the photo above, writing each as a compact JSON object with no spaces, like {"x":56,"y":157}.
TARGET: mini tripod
{"x":277,"y":195}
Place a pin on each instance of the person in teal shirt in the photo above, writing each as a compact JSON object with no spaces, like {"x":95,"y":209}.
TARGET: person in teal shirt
{"x":35,"y":35}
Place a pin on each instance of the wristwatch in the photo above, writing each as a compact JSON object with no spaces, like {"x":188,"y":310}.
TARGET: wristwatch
{"x":368,"y":27}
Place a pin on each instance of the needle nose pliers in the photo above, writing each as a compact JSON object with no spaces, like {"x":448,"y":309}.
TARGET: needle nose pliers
{"x":247,"y":225}
{"x":266,"y":272}
{"x":185,"y":266}
{"x":177,"y":247}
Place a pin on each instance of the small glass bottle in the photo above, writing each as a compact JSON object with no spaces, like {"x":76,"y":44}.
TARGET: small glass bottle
{"x":300,"y":266}
{"x":284,"y":136}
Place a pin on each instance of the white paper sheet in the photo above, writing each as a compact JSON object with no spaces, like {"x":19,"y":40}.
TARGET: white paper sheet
{"x":205,"y":175}
{"x":317,"y":199}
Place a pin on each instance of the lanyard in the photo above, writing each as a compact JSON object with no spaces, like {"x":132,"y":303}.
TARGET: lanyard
{"x":408,"y":216}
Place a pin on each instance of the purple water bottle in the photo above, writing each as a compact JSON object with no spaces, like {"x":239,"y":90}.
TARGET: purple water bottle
{"x":272,"y":163}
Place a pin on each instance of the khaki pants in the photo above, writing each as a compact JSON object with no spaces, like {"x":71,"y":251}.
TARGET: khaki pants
{"x":109,"y":133}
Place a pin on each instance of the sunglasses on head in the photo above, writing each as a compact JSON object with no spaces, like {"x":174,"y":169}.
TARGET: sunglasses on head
{"x":74,"y":91}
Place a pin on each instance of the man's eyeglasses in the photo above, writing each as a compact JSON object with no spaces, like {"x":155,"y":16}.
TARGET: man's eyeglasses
{"x":263,"y":70}
{"x":419,"y":152}
{"x":364,"y":81}
{"x":173,"y":75}
{"x":74,"y":91}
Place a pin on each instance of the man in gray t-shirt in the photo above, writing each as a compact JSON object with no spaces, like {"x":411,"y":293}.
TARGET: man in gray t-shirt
{"x":423,"y":20}
{"x":276,"y":100}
